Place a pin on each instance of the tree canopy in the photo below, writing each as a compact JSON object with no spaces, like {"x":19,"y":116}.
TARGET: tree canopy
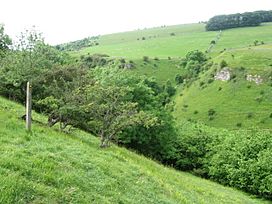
{"x":222,"y":22}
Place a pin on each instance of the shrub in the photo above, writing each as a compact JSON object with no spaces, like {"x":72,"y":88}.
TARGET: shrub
{"x":211,"y":118}
{"x":223,"y":64}
{"x":270,"y":116}
{"x":249,"y":115}
{"x":156,"y":58}
{"x":242,"y":159}
{"x":143,"y":38}
{"x":220,"y":88}
{"x":172,"y":34}
{"x":210,"y":80}
{"x":211,"y":112}
{"x":179,"y":79}
{"x":233,"y":76}
{"x":262,"y":121}
{"x":122,"y":60}
{"x":259,"y":99}
{"x":145,"y":58}
{"x":201,"y":83}
{"x":170,"y":90}
{"x":239,"y":124}
{"x":195,"y":112}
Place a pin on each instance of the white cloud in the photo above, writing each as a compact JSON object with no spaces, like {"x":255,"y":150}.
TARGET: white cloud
{"x":66,"y":20}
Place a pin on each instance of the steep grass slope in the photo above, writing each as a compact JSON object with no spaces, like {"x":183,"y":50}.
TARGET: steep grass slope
{"x":48,"y":166}
{"x":238,"y":102}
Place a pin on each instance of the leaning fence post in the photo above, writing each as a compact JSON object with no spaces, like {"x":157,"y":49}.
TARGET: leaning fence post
{"x":28,"y":106}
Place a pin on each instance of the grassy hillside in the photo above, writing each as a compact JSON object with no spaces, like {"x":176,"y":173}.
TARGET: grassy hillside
{"x":48,"y":166}
{"x":158,"y":42}
{"x":237,"y":102}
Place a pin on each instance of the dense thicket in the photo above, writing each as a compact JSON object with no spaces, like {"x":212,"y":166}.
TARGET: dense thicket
{"x":222,"y":22}
{"x":240,"y":159}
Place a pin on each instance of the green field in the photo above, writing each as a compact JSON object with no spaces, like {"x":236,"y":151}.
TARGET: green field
{"x":158,"y":42}
{"x":47,"y":166}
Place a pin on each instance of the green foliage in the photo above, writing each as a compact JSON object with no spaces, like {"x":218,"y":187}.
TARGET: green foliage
{"x":179,"y":79}
{"x":5,"y":41}
{"x":170,"y":90}
{"x":79,"y":44}
{"x":95,"y":60}
{"x":145,"y":58}
{"x":29,"y":61}
{"x":196,"y":56}
{"x":244,"y":163}
{"x":211,"y":112}
{"x":223,"y":64}
{"x":222,"y":22}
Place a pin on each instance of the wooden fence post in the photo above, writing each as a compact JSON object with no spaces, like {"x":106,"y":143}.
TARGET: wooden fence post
{"x":28,"y":106}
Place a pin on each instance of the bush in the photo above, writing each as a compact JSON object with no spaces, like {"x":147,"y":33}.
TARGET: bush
{"x":223,"y":64}
{"x":249,"y":115}
{"x":195,"y":112}
{"x":239,"y":124}
{"x":179,"y":79}
{"x":146,"y":58}
{"x":170,"y":90}
{"x":210,"y":80}
{"x":211,"y":112}
{"x":243,"y":160}
{"x":201,"y":83}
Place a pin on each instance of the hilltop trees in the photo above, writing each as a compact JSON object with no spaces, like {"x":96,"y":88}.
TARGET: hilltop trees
{"x":222,"y":22}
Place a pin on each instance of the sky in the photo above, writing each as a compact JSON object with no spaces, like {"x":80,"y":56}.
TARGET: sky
{"x":62,"y":21}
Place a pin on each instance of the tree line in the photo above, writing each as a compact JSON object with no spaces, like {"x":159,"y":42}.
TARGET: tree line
{"x":222,"y":22}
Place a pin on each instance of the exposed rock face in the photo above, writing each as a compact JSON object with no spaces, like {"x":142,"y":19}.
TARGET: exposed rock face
{"x":255,"y":78}
{"x":223,"y":75}
{"x":128,"y":66}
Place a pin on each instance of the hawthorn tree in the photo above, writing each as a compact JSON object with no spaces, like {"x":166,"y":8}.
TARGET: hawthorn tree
{"x":110,"y":111}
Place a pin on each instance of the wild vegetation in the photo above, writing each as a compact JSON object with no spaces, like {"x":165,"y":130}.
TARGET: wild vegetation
{"x":48,"y":166}
{"x":151,"y":100}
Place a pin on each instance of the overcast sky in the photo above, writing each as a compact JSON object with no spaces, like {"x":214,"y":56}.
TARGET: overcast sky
{"x":67,"y":20}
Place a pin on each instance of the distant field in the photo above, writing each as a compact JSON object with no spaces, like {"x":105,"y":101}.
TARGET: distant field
{"x":243,"y":37}
{"x":158,"y":42}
